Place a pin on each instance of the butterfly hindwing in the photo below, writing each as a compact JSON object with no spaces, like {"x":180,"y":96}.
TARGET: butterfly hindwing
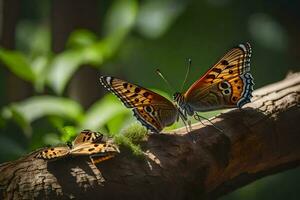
{"x":54,"y":152}
{"x":227,"y":84}
{"x":103,"y":147}
{"x":151,"y":109}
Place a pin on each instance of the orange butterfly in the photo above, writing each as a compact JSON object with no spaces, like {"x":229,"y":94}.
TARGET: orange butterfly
{"x":227,"y":84}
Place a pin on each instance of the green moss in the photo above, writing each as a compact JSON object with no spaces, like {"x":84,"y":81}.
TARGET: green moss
{"x":129,"y":138}
{"x":135,"y":132}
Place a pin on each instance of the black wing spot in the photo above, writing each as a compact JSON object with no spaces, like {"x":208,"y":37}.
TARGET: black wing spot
{"x":212,"y":76}
{"x":91,"y":149}
{"x":125,"y":85}
{"x":226,"y":91}
{"x":224,"y":85}
{"x":148,"y":109}
{"x":238,"y":87}
{"x":218,"y":70}
{"x":230,"y":71}
{"x":52,"y":149}
{"x":95,"y":145}
{"x":137,"y":90}
{"x":236,"y":81}
{"x":224,"y":62}
{"x":234,"y":98}
{"x":146,"y":94}
{"x":229,"y":66}
{"x":134,"y":95}
{"x":136,"y":100}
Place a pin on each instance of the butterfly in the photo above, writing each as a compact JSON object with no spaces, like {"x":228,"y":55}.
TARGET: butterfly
{"x":87,"y":143}
{"x":227,"y":84}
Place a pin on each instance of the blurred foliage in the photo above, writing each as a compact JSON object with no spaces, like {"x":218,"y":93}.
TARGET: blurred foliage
{"x":136,"y":38}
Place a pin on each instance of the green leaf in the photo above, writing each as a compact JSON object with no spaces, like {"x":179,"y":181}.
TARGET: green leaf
{"x":102,"y":112}
{"x":29,"y":110}
{"x":68,"y":132}
{"x":121,"y":16}
{"x":40,"y":67}
{"x":63,"y":67}
{"x":81,"y":38}
{"x":156,"y":17}
{"x":17,"y":64}
{"x":119,"y":22}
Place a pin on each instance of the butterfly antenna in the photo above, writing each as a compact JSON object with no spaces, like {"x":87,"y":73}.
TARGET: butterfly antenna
{"x":165,"y":80}
{"x":187,"y":73}
{"x":198,"y":118}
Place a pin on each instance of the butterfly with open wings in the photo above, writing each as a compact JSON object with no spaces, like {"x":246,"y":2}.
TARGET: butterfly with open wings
{"x":87,"y":143}
{"x":227,"y":84}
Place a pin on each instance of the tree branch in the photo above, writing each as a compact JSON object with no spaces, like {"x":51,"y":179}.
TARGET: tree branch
{"x":261,"y":139}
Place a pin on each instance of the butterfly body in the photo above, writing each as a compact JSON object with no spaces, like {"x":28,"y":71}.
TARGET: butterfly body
{"x":227,"y":84}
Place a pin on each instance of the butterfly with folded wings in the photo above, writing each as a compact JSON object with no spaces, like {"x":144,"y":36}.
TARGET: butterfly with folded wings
{"x":227,"y":84}
{"x":87,"y":143}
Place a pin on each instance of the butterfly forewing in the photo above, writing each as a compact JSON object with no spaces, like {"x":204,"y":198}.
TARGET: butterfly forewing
{"x":227,"y":84}
{"x":87,"y":136}
{"x":151,"y":109}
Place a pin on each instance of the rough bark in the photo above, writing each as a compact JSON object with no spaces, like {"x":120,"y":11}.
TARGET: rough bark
{"x":261,"y":139}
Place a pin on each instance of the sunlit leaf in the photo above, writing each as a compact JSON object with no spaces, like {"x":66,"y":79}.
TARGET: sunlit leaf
{"x":68,"y":133}
{"x":121,"y":16}
{"x":62,"y":68}
{"x":51,"y":139}
{"x":102,"y":112}
{"x":17,"y":64}
{"x":81,"y":38}
{"x":120,"y":19}
{"x":156,"y":16}
{"x":41,"y":106}
{"x":40,"y":66}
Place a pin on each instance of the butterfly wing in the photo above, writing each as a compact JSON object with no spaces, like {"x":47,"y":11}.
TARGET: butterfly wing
{"x":99,"y":147}
{"x":227,"y":84}
{"x":87,"y":136}
{"x":54,"y":152}
{"x":153,"y":110}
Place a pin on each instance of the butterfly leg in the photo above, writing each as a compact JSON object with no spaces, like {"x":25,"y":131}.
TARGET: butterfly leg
{"x":187,"y":123}
{"x":97,"y":159}
{"x":190,"y":125}
{"x":198,"y":118}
